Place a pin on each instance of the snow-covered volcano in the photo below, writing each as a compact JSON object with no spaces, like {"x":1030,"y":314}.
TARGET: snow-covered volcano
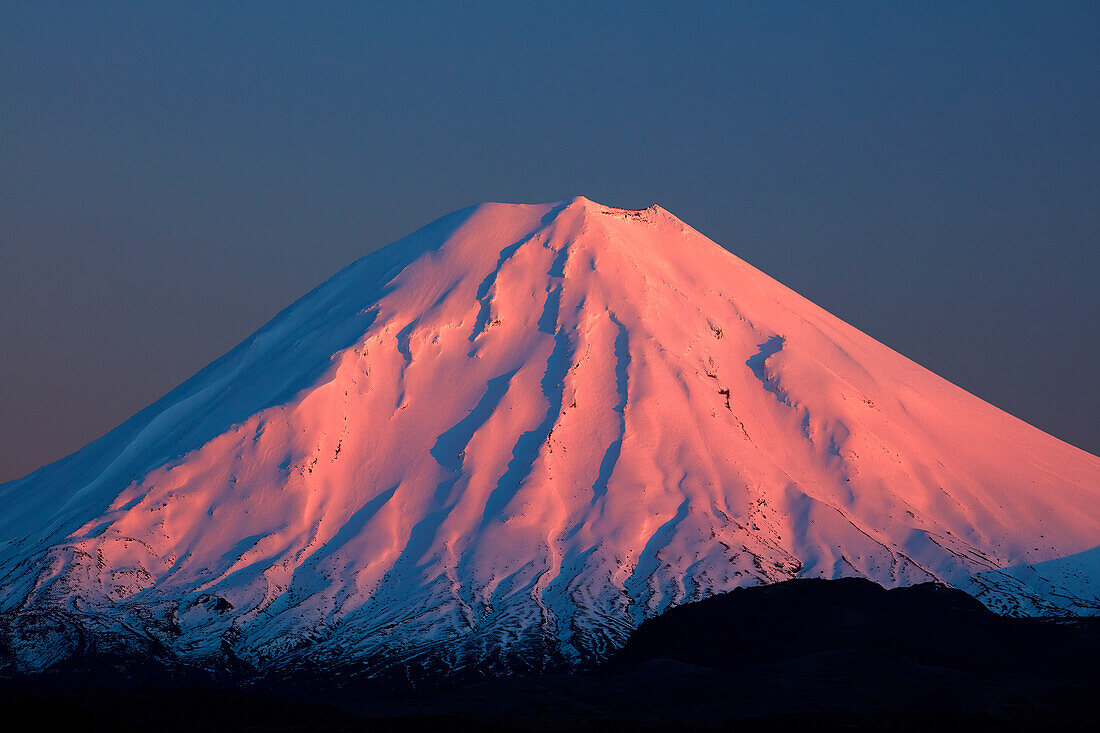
{"x":511,"y":436}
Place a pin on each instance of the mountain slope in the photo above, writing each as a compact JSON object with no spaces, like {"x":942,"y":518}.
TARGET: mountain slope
{"x":505,"y":440}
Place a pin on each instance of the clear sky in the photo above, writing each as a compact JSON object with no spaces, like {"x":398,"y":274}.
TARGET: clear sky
{"x":173,"y":174}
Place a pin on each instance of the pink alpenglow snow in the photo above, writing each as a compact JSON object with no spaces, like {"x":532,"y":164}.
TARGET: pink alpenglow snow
{"x":505,"y":440}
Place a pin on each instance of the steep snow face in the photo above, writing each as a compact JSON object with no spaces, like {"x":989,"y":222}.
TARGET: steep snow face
{"x":510,"y":437}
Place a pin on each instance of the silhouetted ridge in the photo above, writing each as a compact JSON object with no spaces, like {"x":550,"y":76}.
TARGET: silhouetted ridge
{"x":864,"y":628}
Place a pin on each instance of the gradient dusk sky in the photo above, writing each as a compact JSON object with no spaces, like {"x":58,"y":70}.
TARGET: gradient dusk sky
{"x":172,"y":175}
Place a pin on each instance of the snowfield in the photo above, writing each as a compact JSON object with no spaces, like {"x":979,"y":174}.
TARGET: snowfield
{"x":502,"y":442}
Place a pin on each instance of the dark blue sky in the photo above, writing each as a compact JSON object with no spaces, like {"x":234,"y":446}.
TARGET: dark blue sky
{"x":171,"y":175}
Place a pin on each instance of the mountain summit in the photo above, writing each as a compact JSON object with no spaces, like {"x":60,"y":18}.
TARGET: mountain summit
{"x":504,"y":441}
